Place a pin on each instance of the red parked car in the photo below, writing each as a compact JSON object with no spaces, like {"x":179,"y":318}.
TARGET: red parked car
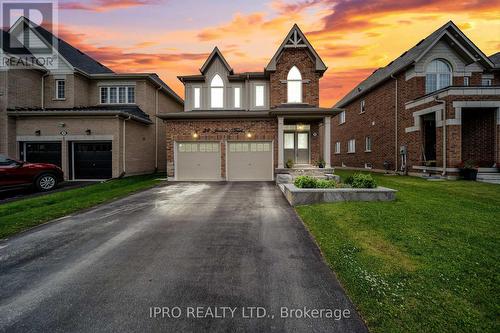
{"x":16,"y":174}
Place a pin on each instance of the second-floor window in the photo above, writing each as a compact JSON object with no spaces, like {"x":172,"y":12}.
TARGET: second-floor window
{"x":437,"y":75}
{"x":259,"y":95}
{"x":368,"y":144}
{"x":60,"y":89}
{"x":117,"y":95}
{"x":337,"y":147}
{"x":362,"y":107}
{"x":486,"y":82}
{"x":341,"y":117}
{"x":294,"y":85}
{"x":351,"y":146}
{"x":197,"y":97}
{"x":217,"y":92}
{"x":237,"y":97}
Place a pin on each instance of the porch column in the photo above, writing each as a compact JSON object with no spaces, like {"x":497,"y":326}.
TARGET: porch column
{"x":326,"y":141}
{"x":281,"y":123}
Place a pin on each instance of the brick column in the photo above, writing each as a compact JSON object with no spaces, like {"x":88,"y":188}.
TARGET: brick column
{"x":281,"y":123}
{"x":326,"y":141}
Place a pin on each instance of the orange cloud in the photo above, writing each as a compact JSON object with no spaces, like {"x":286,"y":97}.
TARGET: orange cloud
{"x":105,"y":5}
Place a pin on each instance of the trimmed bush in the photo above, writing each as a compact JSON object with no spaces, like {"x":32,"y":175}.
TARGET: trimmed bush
{"x":363,"y":181}
{"x":305,"y":182}
{"x":311,"y":182}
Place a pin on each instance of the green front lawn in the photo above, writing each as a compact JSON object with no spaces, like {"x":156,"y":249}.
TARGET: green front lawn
{"x":24,"y":214}
{"x":428,"y":262}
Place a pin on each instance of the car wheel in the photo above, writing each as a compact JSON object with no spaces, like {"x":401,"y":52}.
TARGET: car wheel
{"x":46,"y":182}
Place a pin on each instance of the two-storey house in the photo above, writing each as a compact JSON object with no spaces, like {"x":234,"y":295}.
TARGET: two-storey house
{"x":430,"y":110}
{"x":79,"y":114}
{"x":248,"y":126}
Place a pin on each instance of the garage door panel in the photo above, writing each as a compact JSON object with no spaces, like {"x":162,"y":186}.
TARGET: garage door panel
{"x":198,"y":161}
{"x":93,"y":160}
{"x":43,"y":152}
{"x":249,"y":161}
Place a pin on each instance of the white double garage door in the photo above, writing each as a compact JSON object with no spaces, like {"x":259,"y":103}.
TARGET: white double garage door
{"x":245,"y":160}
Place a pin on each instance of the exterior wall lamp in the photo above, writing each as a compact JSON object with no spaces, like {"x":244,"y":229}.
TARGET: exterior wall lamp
{"x":88,"y":132}
{"x":38,"y":132}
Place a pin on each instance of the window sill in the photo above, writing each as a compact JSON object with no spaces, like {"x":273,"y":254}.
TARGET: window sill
{"x":368,"y":151}
{"x":351,"y":152}
{"x":336,"y":153}
{"x":362,"y":112}
{"x":342,"y":123}
{"x":58,"y":99}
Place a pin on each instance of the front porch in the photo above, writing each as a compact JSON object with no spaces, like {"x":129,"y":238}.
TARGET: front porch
{"x":304,"y":141}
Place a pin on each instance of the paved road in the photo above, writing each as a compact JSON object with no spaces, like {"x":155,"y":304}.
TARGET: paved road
{"x":184,"y":245}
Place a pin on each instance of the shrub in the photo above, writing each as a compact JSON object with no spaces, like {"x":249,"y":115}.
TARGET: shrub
{"x":323,"y":183}
{"x":363,"y":181}
{"x":310,"y":182}
{"x":349,"y":180}
{"x":305,"y":182}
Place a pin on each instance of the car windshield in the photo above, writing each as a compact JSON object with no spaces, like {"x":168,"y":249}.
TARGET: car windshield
{"x":5,"y":161}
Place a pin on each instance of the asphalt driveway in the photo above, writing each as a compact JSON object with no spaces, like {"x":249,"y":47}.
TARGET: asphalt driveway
{"x":206,"y":250}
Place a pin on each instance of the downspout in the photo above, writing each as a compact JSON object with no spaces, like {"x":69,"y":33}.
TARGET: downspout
{"x":396,"y":148}
{"x":124,"y":146}
{"x":43,"y":90}
{"x":444,"y":133}
{"x":156,"y":129}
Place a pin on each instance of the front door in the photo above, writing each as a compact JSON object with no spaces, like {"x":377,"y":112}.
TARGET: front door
{"x":297,"y":147}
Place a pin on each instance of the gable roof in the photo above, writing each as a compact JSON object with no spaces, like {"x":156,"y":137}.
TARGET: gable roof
{"x":495,"y":58}
{"x":216,"y":53}
{"x":73,"y":56}
{"x":296,"y":39}
{"x":450,"y":30}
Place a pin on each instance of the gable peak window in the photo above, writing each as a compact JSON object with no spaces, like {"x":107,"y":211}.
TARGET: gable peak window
{"x":294,"y":85}
{"x":217,"y":92}
{"x":437,"y":75}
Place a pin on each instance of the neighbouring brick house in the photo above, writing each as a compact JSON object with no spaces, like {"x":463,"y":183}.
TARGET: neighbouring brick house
{"x":79,"y":114}
{"x":247,"y":126}
{"x":429,"y":110}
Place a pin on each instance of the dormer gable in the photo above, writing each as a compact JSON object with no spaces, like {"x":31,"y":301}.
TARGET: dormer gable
{"x":216,"y":54}
{"x":296,"y":39}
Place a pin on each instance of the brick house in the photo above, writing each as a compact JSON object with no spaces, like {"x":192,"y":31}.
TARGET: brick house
{"x":247,"y":126}
{"x":429,"y":110}
{"x":92,"y":122}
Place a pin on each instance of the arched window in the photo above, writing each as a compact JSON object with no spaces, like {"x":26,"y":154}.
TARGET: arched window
{"x":437,"y":75}
{"x":217,"y":92}
{"x":294,"y":85}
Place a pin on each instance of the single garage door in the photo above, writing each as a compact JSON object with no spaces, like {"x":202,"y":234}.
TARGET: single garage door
{"x":198,"y":161}
{"x":92,"y":160}
{"x":42,"y":152}
{"x":250,"y":161}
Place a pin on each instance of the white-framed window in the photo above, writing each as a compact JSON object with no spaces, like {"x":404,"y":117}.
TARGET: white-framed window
{"x":60,"y":89}
{"x":362,"y":107}
{"x":466,"y":81}
{"x":437,"y":75}
{"x":237,"y":97}
{"x":117,"y":95}
{"x":337,"y":147}
{"x":341,"y":117}
{"x":259,"y":95}
{"x":196,"y":97}
{"x":351,"y":146}
{"x":368,"y":144}
{"x":294,"y":85}
{"x":486,"y":82}
{"x":217,"y":92}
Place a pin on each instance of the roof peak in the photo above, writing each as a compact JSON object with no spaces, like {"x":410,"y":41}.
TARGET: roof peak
{"x":216,"y":52}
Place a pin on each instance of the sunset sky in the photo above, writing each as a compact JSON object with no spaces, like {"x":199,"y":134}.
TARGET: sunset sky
{"x":172,"y":37}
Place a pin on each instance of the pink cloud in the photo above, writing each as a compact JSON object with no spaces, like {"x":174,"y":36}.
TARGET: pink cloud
{"x":105,"y":5}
